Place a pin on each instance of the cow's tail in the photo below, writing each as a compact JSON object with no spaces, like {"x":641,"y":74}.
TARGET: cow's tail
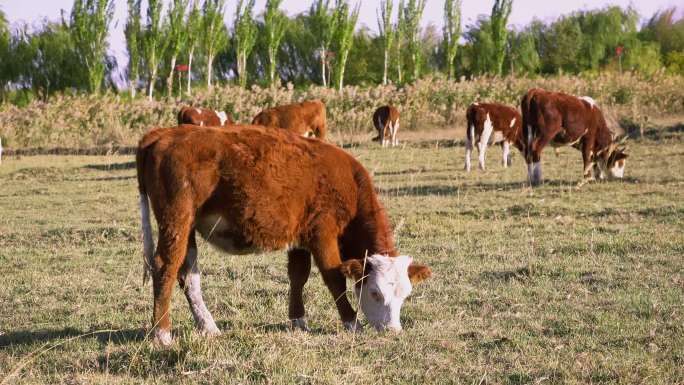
{"x":470,"y":130}
{"x":146,"y":225}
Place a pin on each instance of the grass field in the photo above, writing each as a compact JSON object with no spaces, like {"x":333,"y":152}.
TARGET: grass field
{"x":553,"y":285}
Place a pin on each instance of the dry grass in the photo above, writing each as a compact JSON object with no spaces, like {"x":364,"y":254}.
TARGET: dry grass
{"x":86,"y":121}
{"x":548,"y":286}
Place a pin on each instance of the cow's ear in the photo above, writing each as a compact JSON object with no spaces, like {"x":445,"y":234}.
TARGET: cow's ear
{"x":621,"y":156}
{"x":418,"y":273}
{"x":352,"y":269}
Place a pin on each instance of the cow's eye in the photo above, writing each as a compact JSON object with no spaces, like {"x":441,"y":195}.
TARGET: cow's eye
{"x":376,"y":296}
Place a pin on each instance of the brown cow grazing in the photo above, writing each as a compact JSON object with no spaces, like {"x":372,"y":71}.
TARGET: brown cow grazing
{"x":306,"y":118}
{"x":564,"y":120}
{"x":386,"y":121}
{"x":492,"y":123}
{"x":203,"y":117}
{"x":248,"y":189}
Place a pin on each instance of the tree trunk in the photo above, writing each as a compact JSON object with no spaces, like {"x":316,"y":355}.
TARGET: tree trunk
{"x":384,"y":72}
{"x":192,"y":51}
{"x":132,"y":87}
{"x":153,"y":77}
{"x":169,"y":80}
{"x":271,"y":65}
{"x":343,"y":59}
{"x":323,"y":54}
{"x":210,"y":59}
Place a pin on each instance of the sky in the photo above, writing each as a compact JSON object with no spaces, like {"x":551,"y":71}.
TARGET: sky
{"x":524,"y":11}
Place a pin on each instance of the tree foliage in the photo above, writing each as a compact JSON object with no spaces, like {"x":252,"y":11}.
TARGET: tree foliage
{"x":499,"y":32}
{"x":214,"y":34}
{"x":346,"y":19}
{"x":451,"y":32}
{"x":275,"y":23}
{"x":386,"y":33}
{"x":90,"y":21}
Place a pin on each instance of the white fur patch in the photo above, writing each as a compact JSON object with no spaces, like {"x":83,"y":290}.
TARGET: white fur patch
{"x":148,"y":241}
{"x":512,"y":123}
{"x":617,"y":171}
{"x":223,"y":117}
{"x":199,"y":111}
{"x":393,"y":131}
{"x":589,"y":100}
{"x":384,"y":291}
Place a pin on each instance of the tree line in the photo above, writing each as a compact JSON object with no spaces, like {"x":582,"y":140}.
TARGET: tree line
{"x":178,"y":45}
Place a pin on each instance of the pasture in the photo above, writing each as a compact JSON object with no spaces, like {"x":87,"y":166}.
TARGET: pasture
{"x":552,"y":285}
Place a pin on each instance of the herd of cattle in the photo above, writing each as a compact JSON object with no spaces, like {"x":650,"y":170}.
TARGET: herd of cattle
{"x":270,"y":186}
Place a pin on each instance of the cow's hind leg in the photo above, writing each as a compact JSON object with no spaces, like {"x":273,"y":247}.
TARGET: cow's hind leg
{"x":506,"y":148}
{"x":171,"y":251}
{"x":395,"y":128}
{"x":189,"y":280}
{"x":487,"y":130}
{"x":470,"y":138}
{"x":298,"y":270}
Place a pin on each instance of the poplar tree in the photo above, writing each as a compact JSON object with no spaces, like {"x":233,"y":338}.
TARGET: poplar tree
{"x":154,"y":44}
{"x":386,"y":33}
{"x":194,"y":31}
{"x":132,"y":32}
{"x":244,"y":36}
{"x":346,"y":22}
{"x":275,"y":23}
{"x":177,"y":35}
{"x":89,"y":26}
{"x":322,"y":24}
{"x":399,"y":37}
{"x":499,"y":18}
{"x":413,"y":13}
{"x":452,"y":32}
{"x":214,"y":37}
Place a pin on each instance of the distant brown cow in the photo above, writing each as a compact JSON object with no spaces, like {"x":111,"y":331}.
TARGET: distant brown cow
{"x":250,"y":189}
{"x":203,"y":117}
{"x":563,"y":120}
{"x":492,"y":123}
{"x":386,"y":121}
{"x":307,"y":118}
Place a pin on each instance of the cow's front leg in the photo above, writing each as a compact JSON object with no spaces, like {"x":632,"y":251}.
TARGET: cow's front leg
{"x":189,"y":281}
{"x":327,"y":256}
{"x":395,"y":141}
{"x":589,"y":165}
{"x":298,"y":270}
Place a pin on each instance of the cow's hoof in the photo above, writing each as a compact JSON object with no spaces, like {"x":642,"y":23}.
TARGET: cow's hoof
{"x":353,"y":326}
{"x":162,"y":338}
{"x":210,"y":331}
{"x":299,"y":324}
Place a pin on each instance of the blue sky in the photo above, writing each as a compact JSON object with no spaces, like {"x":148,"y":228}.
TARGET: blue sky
{"x":523,"y":12}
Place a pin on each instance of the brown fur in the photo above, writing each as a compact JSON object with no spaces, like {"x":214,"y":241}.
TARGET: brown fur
{"x":382,"y":118}
{"x":560,"y":119}
{"x":307,"y":118}
{"x":273,"y":189}
{"x":205,"y":117}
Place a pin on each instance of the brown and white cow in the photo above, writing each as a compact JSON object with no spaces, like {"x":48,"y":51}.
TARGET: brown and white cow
{"x":492,"y":123}
{"x":307,"y":118}
{"x":386,"y":122}
{"x":563,"y":120}
{"x":248,"y":189}
{"x":203,"y":117}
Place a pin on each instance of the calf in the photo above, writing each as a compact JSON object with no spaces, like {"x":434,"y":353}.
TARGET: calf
{"x":249,"y":189}
{"x":563,"y":120}
{"x":386,"y":121}
{"x":492,"y":123}
{"x":306,"y":118}
{"x":203,"y":117}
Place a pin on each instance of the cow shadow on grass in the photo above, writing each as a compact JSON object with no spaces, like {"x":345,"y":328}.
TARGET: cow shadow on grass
{"x":53,"y":337}
{"x":111,"y":167}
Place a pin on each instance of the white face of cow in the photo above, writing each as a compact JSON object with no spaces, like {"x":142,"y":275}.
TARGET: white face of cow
{"x":387,"y":283}
{"x":223,"y":117}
